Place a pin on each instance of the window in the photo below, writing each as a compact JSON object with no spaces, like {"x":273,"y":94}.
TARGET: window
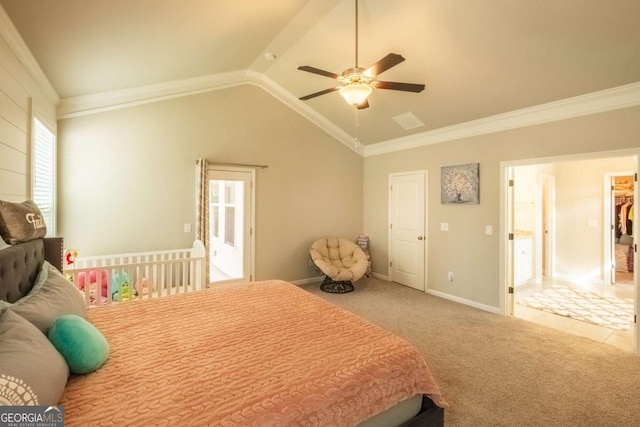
{"x":43,"y":173}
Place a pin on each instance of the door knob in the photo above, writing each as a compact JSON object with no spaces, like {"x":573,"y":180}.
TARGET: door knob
{"x":420,"y":237}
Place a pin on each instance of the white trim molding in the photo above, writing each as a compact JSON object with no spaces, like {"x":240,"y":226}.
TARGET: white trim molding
{"x":107,"y":101}
{"x":9,"y":33}
{"x":484,"y":307}
{"x":591,"y":103}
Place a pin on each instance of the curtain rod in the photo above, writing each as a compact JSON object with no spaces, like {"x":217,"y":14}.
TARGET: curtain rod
{"x":238,"y":165}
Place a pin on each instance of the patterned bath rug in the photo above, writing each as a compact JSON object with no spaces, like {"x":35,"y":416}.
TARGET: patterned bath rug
{"x":610,"y":312}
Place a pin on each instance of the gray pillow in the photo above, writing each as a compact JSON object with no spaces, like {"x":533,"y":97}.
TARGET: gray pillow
{"x":52,"y":296}
{"x":21,"y":222}
{"x":32,"y":372}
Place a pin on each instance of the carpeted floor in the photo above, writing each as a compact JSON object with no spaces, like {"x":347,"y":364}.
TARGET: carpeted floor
{"x":610,"y":312}
{"x":500,"y":371}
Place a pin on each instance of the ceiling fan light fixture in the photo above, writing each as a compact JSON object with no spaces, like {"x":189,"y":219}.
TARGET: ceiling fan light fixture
{"x":355,"y":93}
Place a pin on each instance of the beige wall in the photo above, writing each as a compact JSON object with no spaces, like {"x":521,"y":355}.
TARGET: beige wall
{"x":127,"y":176}
{"x":580,"y":222}
{"x":465,"y":249}
{"x":19,"y":96}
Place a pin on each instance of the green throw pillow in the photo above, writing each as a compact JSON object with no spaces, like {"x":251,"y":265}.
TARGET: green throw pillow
{"x":81,"y":344}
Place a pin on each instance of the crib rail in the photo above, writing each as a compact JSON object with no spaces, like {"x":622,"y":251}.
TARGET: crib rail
{"x":115,"y":278}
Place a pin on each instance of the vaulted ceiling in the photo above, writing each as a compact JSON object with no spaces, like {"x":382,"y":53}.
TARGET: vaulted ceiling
{"x":477,"y":58}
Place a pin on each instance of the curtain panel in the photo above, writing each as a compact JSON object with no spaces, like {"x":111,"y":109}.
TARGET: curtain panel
{"x":202,"y":211}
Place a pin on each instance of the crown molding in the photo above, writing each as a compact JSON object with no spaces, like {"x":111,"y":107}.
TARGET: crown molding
{"x":107,"y":101}
{"x":592,"y":103}
{"x":9,"y":33}
{"x":303,"y":109}
{"x":113,"y":100}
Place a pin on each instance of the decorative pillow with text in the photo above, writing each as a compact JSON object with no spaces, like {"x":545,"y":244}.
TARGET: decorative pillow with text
{"x":21,"y":222}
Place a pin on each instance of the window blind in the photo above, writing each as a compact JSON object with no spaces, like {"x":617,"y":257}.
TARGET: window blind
{"x":43,"y":174}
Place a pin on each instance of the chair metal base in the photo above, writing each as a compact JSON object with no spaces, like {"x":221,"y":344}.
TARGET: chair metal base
{"x":336,"y":287}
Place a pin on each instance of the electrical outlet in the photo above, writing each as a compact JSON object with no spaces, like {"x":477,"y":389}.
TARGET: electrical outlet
{"x":450,"y":275}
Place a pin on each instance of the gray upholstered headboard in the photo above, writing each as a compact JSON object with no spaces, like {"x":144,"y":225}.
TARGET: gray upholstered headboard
{"x":21,"y":263}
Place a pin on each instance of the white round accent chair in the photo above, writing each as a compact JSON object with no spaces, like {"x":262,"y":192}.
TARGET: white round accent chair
{"x":341,"y":260}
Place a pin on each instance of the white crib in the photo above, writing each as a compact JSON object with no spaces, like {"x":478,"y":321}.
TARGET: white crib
{"x":121,"y":277}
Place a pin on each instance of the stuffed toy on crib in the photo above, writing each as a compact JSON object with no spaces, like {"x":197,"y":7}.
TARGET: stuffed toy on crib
{"x":143,"y":287}
{"x":91,"y":285}
{"x":120,"y":287}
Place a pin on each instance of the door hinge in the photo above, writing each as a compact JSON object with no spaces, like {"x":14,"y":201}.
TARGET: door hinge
{"x":635,"y":318}
{"x":391,"y":188}
{"x":510,"y":236}
{"x":510,"y":289}
{"x":635,"y":177}
{"x":390,"y":263}
{"x":511,"y":183}
{"x":391,"y":226}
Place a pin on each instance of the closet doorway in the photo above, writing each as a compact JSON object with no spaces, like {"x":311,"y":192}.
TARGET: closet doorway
{"x":622,"y":211}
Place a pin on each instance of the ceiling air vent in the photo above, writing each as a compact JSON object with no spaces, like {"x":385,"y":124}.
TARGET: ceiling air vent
{"x":408,"y":121}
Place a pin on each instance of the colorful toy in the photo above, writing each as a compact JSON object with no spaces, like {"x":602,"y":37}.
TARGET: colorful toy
{"x":143,"y":287}
{"x":70,"y":256}
{"x":93,"y":282}
{"x":120,"y":288}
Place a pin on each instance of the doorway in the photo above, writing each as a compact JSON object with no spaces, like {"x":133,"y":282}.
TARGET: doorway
{"x":407,"y":225}
{"x":563,"y":213}
{"x":231,"y":219}
{"x":620,"y":204}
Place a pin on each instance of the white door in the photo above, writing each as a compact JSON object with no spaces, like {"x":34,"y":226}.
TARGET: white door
{"x":407,"y":239}
{"x":230,"y":222}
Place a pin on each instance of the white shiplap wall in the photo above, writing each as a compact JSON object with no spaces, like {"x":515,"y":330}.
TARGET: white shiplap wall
{"x":22,"y":95}
{"x":15,"y":115}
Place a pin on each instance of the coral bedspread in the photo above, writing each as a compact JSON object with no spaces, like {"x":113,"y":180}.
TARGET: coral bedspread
{"x":261,"y":354}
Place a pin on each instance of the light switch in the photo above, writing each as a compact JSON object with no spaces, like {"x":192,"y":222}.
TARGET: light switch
{"x":592,"y":223}
{"x":187,"y":228}
{"x":444,"y":226}
{"x":488,"y":230}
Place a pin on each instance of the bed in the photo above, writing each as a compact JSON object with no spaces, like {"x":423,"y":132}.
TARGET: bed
{"x":260,"y":354}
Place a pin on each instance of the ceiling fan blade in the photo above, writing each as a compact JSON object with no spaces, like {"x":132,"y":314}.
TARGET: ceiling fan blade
{"x":391,"y":60}
{"x":364,"y":105}
{"x":407,"y":87}
{"x":318,"y":71}
{"x":322,"y":92}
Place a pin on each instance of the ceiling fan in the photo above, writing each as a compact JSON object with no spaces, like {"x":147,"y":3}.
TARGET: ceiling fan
{"x":358,"y":83}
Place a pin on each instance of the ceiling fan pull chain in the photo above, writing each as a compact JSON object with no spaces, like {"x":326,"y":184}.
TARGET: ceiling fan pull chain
{"x":356,"y":141}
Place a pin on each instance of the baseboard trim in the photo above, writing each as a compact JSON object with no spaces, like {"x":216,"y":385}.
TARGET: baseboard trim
{"x":381,"y":277}
{"x":310,"y":280}
{"x":484,"y":307}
